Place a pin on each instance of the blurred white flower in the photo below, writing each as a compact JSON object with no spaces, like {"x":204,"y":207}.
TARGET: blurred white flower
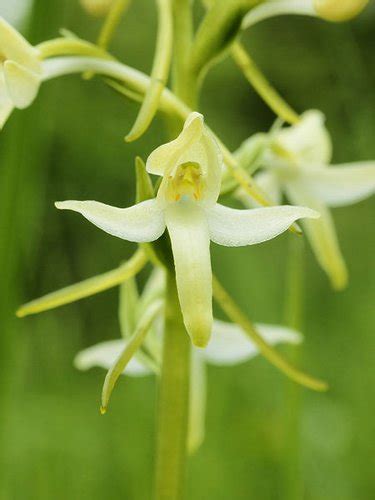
{"x":331,"y":10}
{"x":16,"y":11}
{"x":20,"y":71}
{"x":186,"y":203}
{"x":297,"y":163}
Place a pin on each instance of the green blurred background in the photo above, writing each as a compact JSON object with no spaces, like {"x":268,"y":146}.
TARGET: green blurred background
{"x":69,"y":145}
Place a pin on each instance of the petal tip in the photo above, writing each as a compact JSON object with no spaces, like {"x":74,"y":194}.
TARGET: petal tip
{"x":200,"y":334}
{"x":63,"y":205}
{"x":314,"y":214}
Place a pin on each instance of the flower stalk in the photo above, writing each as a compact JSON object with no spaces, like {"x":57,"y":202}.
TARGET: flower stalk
{"x":173,"y":402}
{"x":294,"y":291}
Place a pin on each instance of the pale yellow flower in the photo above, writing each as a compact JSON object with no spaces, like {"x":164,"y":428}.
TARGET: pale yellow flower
{"x":20,"y":71}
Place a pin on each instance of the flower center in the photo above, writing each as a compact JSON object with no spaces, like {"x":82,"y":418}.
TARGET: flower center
{"x":185,"y":182}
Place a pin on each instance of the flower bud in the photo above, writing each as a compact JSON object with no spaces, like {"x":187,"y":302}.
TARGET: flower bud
{"x":339,"y":10}
{"x":97,"y":8}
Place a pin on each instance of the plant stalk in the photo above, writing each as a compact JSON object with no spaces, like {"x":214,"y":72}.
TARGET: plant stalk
{"x":293,"y":484}
{"x":174,"y":385}
{"x":173,"y":403}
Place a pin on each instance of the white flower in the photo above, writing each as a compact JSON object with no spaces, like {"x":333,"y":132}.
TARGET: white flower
{"x":229,"y":346}
{"x":186,"y":203}
{"x":20,"y":71}
{"x":331,"y":10}
{"x":297,"y":164}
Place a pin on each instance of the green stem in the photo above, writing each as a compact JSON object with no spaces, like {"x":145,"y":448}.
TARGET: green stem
{"x":262,"y":86}
{"x":183,"y":82}
{"x":174,"y":385}
{"x":173,"y":401}
{"x":293,"y":485}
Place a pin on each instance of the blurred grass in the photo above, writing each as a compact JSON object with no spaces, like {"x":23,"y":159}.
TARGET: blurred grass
{"x":69,"y":145}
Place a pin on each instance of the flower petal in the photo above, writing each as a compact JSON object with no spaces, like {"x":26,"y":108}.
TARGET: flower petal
{"x":342,"y":184}
{"x":140,"y":223}
{"x":6,"y":104}
{"x":22,"y":84}
{"x":230,"y":345}
{"x":13,"y":46}
{"x":187,"y":226}
{"x":197,"y":402}
{"x":321,"y":234}
{"x":278,"y":8}
{"x":308,"y":139}
{"x":233,"y":228}
{"x":163,"y":158}
{"x":105,"y":354}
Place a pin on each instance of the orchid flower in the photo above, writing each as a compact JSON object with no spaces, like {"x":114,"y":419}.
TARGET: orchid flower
{"x":330,"y":10}
{"x":296,"y":163}
{"x":229,"y":346}
{"x":20,"y":71}
{"x":186,"y":204}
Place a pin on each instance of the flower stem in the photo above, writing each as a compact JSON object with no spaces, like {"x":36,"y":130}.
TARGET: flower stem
{"x":174,"y":385}
{"x":183,"y":82}
{"x":173,"y":401}
{"x":261,"y":85}
{"x":293,"y":485}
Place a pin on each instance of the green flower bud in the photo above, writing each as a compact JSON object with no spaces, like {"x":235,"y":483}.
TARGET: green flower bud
{"x":339,"y":10}
{"x":97,"y":8}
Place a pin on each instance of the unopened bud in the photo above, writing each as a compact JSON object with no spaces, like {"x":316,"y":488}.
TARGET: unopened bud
{"x":97,"y":8}
{"x":339,"y":10}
